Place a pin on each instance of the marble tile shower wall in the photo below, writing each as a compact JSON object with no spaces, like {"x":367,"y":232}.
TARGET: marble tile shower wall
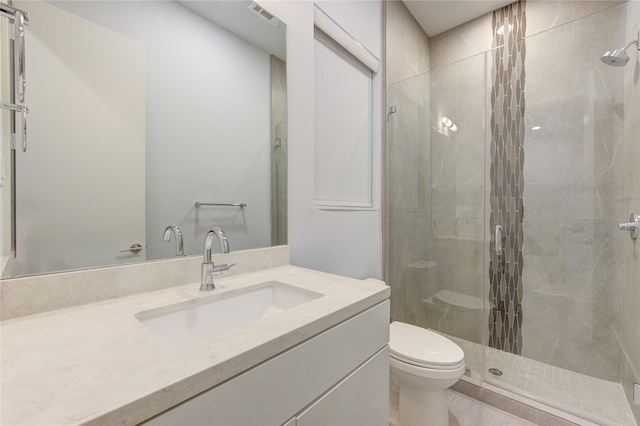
{"x":570,"y":173}
{"x":571,"y":298}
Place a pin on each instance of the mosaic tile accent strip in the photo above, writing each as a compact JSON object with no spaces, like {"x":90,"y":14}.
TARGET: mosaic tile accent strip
{"x":506,"y":174}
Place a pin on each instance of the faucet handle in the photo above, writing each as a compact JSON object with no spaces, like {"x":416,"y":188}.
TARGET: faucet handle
{"x":219,"y":269}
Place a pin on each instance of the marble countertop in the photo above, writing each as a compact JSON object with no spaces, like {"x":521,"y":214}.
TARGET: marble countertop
{"x":97,"y":364}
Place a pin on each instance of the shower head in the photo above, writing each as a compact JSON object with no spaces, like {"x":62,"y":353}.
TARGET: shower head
{"x":619,"y":57}
{"x":615,"y":58}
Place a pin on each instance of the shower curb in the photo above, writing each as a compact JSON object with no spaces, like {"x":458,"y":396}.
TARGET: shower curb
{"x":517,"y":405}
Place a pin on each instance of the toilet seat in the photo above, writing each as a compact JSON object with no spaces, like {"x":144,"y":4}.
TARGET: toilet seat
{"x":423,"y":348}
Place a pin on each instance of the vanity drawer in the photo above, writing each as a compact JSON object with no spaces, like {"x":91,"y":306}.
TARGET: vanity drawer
{"x":276,"y":390}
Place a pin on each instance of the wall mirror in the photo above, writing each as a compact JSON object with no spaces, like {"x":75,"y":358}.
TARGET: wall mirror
{"x":139,"y":110}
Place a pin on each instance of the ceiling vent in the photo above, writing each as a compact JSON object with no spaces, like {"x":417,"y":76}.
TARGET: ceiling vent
{"x":260,"y":11}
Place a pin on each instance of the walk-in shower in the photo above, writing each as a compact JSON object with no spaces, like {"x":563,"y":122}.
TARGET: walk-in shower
{"x":503,"y":234}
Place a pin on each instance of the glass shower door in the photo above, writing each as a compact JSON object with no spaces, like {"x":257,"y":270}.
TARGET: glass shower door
{"x":408,"y":163}
{"x":436,"y":203}
{"x":455,"y":302}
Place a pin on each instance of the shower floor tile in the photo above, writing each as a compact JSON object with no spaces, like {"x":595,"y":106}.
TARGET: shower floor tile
{"x":595,"y":399}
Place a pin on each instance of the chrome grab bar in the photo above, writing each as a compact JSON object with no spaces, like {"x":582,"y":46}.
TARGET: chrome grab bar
{"x":631,"y":226}
{"x":498,"y":238}
{"x":199,"y":204}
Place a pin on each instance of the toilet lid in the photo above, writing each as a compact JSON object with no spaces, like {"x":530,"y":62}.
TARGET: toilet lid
{"x":422,"y":346}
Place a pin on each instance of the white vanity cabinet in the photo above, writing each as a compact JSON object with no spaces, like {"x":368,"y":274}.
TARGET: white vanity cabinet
{"x":356,"y":400}
{"x":340,"y":376}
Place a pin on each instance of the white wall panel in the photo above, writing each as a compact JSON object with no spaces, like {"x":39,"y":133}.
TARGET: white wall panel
{"x":342,"y":127}
{"x":342,"y":242}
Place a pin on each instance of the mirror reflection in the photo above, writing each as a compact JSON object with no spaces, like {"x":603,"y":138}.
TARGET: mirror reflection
{"x":137,"y":112}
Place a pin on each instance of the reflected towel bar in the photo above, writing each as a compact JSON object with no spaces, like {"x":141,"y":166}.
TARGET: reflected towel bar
{"x":14,"y":107}
{"x":199,"y":203}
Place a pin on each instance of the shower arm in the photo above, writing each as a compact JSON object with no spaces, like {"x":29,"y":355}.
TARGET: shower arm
{"x":632,"y":42}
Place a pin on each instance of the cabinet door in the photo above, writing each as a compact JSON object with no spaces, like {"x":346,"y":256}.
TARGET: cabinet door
{"x":273,"y":392}
{"x":362,"y":398}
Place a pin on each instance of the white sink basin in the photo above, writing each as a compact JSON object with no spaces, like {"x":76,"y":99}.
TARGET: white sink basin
{"x":202,"y":318}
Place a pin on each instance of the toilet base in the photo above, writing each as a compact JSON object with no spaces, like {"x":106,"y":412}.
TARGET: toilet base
{"x":422,"y":408}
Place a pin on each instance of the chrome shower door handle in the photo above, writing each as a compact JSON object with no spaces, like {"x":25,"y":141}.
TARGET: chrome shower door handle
{"x":498,"y":238}
{"x":631,"y":226}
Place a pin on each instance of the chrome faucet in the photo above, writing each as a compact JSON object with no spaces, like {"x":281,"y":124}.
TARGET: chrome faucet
{"x":178,"y":237}
{"x":207,"y":268}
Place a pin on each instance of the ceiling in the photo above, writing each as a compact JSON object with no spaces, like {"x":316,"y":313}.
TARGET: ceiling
{"x":437,"y":16}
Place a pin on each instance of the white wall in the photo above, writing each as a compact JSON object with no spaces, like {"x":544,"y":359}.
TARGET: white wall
{"x":343,"y":242}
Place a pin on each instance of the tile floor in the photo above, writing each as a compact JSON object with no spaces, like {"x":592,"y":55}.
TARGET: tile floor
{"x":595,"y":399}
{"x":465,"y":411}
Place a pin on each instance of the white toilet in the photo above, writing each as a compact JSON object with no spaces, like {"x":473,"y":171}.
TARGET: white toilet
{"x":422,"y":365}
